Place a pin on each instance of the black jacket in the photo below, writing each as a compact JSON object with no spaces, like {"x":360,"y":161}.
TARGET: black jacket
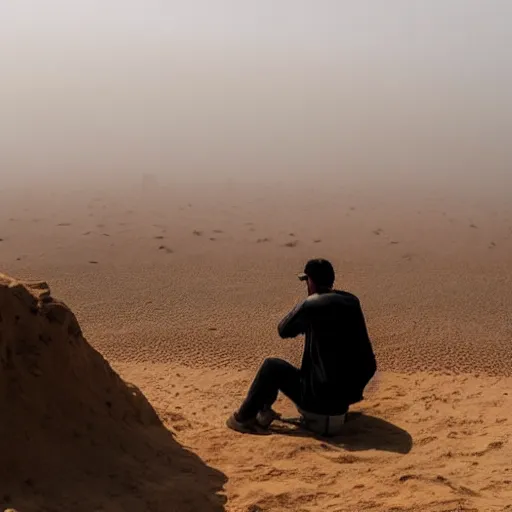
{"x":338,"y":360}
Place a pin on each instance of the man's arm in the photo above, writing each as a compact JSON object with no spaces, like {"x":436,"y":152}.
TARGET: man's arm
{"x":294,"y":323}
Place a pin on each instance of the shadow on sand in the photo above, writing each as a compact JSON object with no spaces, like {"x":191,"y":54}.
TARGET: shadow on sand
{"x":104,"y":461}
{"x":176,"y":479}
{"x":361,"y":432}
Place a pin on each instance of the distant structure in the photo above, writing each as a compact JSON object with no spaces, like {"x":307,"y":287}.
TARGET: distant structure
{"x":149,"y":182}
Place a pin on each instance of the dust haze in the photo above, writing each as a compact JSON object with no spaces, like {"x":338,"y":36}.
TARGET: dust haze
{"x":166,"y":170}
{"x":397,"y":93}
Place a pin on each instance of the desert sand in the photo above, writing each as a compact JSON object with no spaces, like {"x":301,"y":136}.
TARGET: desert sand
{"x":178,"y":290}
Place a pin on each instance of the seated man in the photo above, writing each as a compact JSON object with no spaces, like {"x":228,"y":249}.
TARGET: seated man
{"x":337,"y":364}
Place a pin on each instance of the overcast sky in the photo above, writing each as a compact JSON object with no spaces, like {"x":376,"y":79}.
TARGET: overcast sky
{"x":221,"y":86}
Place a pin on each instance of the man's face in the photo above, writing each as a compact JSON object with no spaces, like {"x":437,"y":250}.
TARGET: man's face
{"x":311,"y":287}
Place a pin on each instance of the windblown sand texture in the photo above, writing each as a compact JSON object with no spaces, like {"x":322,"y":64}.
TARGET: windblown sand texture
{"x":181,"y":289}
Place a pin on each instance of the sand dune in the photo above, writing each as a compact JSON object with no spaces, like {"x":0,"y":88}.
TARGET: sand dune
{"x":73,"y":435}
{"x":188,"y":320}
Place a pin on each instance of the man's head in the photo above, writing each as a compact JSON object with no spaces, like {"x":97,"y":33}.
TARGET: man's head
{"x":319,"y":274}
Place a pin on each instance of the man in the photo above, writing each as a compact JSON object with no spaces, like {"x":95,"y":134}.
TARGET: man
{"x":337,"y":364}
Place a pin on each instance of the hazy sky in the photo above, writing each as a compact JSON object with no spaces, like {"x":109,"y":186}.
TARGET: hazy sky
{"x":394,"y":87}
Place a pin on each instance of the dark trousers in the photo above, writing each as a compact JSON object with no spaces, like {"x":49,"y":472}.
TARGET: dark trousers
{"x":273,"y":376}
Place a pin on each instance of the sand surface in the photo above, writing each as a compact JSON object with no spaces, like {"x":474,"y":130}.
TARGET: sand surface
{"x":180,"y":289}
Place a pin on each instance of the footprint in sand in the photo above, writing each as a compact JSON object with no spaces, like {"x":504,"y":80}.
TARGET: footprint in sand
{"x":293,"y":243}
{"x":317,"y":241}
{"x":93,"y":262}
{"x":496,"y":445}
{"x":218,"y":231}
{"x":262,"y":240}
{"x":378,"y":231}
{"x":196,"y":232}
{"x":426,"y":440}
{"x":64,"y":224}
{"x":345,"y":459}
{"x":86,"y":233}
{"x":492,"y":245}
{"x":166,"y":249}
{"x":473,"y":226}
{"x":159,"y":237}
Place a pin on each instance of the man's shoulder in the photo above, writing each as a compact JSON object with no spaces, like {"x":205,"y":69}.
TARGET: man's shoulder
{"x":336,"y":296}
{"x":347,"y":296}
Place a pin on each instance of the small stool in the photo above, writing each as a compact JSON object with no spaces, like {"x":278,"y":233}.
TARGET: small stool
{"x":322,"y":424}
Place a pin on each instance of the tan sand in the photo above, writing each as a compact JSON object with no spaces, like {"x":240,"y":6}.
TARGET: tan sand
{"x":180,"y":288}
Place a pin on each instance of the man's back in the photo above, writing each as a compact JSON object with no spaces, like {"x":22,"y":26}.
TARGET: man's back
{"x":338,"y":359}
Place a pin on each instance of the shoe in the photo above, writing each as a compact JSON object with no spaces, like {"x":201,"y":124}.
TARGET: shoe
{"x":245,"y":427}
{"x":266,"y":417}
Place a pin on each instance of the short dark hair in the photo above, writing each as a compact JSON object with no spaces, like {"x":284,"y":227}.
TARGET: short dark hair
{"x":320,"y":271}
